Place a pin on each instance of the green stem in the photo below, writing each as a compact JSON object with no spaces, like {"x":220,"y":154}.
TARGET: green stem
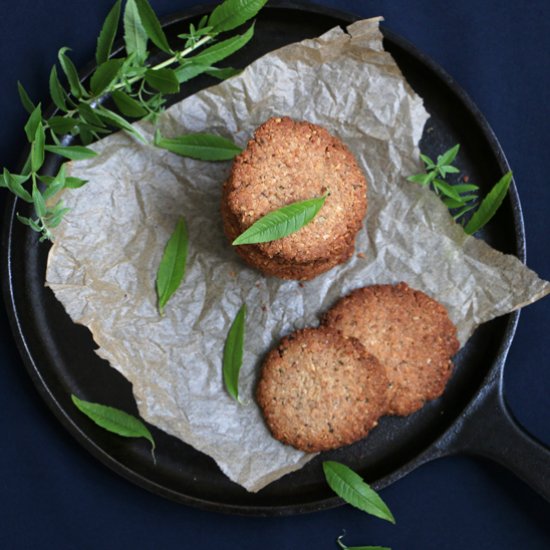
{"x":168,"y":61}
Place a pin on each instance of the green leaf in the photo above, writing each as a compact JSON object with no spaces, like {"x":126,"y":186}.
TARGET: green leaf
{"x":155,"y":106}
{"x":427,"y":161}
{"x":47,"y":180}
{"x":344,"y":547}
{"x":24,"y":220}
{"x":36,"y":225}
{"x":72,"y":152}
{"x":465,"y":187}
{"x":222,"y":73}
{"x":199,"y":146}
{"x":37,"y":148}
{"x":119,"y":122}
{"x":422,"y":179}
{"x":86,"y":136}
{"x":30,"y":222}
{"x":132,"y":68}
{"x":230,"y":14}
{"x":55,"y":219}
{"x":223,"y":49}
{"x":233,"y":353}
{"x":107,"y":35}
{"x":32,"y":123}
{"x":52,"y":189}
{"x":27,"y":166}
{"x":86,"y":130}
{"x":104,"y":75}
{"x":171,"y":269}
{"x":351,"y":487}
{"x":127,"y":105}
{"x":193,"y":36}
{"x":152,"y":26}
{"x":189,"y":70}
{"x":38,"y":201}
{"x":70,"y":182}
{"x":135,"y":36}
{"x":61,"y":124}
{"x":25,"y":99}
{"x":448,"y":156}
{"x":489,"y":205}
{"x":54,"y":137}
{"x":57,"y":92}
{"x":90,"y":116}
{"x":14,"y":182}
{"x":448,"y":169}
{"x":114,"y":420}
{"x":54,"y":185}
{"x":71,"y":73}
{"x":447,"y":190}
{"x":468,"y":198}
{"x":74,"y":183}
{"x":452,"y":203}
{"x":282,"y":222}
{"x":163,"y":80}
{"x":203,"y":22}
{"x":463,"y":210}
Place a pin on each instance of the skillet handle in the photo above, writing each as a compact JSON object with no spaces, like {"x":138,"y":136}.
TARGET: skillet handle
{"x":492,"y":432}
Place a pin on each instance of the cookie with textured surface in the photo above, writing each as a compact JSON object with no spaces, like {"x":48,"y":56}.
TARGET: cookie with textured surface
{"x":319,"y":390}
{"x":410,"y":334}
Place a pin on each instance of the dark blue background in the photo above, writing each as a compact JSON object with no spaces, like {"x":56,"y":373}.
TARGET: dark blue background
{"x":55,"y":495}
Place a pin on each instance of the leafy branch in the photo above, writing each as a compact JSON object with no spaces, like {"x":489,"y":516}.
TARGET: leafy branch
{"x":137,"y":88}
{"x":461,"y":198}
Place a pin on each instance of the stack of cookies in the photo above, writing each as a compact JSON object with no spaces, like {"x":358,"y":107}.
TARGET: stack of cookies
{"x":288,"y":161}
{"x":383,"y":349}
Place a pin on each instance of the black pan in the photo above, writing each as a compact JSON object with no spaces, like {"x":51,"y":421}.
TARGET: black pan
{"x":471,"y":416}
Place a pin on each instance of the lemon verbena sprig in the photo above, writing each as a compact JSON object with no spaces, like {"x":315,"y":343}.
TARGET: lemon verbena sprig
{"x":461,"y":198}
{"x":137,"y":90}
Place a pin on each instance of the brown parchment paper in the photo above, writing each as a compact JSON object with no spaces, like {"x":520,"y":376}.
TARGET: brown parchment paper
{"x":103,"y":263}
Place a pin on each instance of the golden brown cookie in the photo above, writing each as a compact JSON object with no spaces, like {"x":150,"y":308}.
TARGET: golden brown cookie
{"x":288,"y":161}
{"x":319,"y":390}
{"x":409,"y":332}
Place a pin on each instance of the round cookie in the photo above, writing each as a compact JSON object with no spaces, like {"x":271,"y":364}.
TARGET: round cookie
{"x":320,"y":391}
{"x":288,"y":161}
{"x":410,"y":334}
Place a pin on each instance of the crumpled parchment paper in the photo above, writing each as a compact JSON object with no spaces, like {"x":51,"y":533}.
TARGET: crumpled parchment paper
{"x":102,"y":266}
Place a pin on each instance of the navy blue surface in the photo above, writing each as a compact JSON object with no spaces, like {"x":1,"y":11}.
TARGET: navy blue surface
{"x":55,"y":495}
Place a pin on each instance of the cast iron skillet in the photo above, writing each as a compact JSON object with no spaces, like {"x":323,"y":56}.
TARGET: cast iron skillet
{"x":471,"y":417}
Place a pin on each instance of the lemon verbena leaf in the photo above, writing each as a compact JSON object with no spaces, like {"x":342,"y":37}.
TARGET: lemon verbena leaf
{"x":172,"y":265}
{"x":231,"y":14}
{"x":282,"y":222}
{"x":152,"y":25}
{"x":199,"y":146}
{"x":114,"y":420}
{"x":350,"y":486}
{"x":233,"y":353}
{"x":489,"y":205}
{"x":107,"y":35}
